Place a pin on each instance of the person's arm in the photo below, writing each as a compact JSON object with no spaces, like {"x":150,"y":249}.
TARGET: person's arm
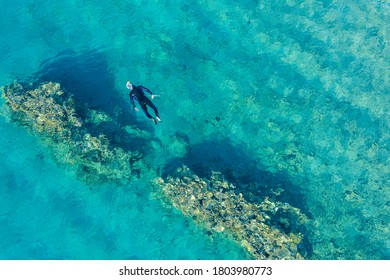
{"x":132,"y":102}
{"x":149,"y":91}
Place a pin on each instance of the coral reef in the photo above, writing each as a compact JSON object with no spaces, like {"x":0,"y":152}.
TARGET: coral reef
{"x":260,"y":228}
{"x":214,"y":204}
{"x":50,"y":112}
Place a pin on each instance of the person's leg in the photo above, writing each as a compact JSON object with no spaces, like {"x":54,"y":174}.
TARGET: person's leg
{"x":145,"y":109}
{"x":151,"y":105}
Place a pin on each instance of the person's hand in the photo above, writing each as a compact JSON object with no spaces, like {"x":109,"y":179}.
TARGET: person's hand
{"x":135,"y":108}
{"x":154,"y":95}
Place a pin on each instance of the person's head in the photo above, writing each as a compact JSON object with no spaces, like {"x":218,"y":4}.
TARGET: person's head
{"x":129,"y":85}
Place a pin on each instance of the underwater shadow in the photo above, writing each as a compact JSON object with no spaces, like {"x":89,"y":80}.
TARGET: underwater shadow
{"x":87,"y":78}
{"x":238,"y":167}
{"x":251,"y":179}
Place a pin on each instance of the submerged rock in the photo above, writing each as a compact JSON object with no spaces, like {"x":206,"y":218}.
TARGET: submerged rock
{"x":215,"y":205}
{"x":50,"y":112}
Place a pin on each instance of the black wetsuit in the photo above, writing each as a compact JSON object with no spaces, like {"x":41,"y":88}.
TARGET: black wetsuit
{"x":138,"y":93}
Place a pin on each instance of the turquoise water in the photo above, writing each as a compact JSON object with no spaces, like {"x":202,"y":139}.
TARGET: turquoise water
{"x":292,"y":95}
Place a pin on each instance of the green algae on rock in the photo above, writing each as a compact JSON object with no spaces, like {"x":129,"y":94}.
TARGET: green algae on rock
{"x":215,"y":205}
{"x":50,"y":112}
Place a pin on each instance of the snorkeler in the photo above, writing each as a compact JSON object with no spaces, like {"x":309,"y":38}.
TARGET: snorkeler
{"x":138,"y":93}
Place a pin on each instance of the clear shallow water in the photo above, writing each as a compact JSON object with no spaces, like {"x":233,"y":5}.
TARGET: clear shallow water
{"x":291,"y":95}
